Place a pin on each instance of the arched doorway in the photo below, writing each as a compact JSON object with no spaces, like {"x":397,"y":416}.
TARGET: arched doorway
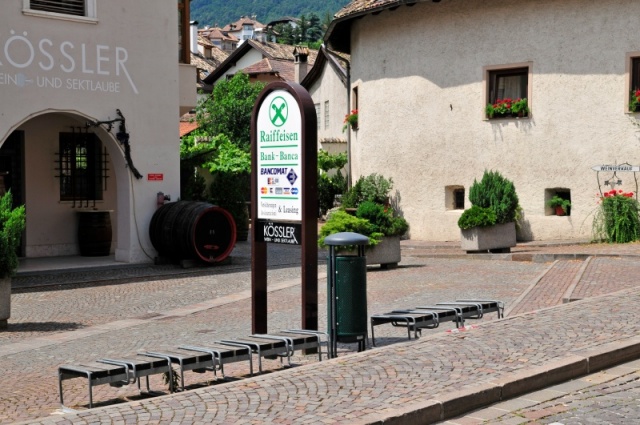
{"x":58,"y":166}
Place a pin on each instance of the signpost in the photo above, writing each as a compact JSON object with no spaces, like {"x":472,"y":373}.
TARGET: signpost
{"x":284,"y":192}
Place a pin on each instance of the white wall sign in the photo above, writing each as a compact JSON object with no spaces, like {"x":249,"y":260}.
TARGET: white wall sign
{"x":616,"y":168}
{"x":279,"y":157}
{"x":26,"y":61}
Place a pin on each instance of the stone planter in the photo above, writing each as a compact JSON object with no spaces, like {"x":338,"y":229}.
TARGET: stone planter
{"x":498,"y":238}
{"x":5,"y":301}
{"x":386,"y":253}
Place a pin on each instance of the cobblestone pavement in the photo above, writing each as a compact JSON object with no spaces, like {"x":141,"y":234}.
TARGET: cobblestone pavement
{"x":84,"y":322}
{"x":604,"y":398}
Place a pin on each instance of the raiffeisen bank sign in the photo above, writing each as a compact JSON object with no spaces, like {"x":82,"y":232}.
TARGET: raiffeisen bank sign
{"x":28,"y":62}
{"x":279,"y":158}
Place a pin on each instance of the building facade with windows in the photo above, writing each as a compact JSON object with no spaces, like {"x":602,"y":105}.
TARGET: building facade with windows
{"x":327,"y":83}
{"x":440,"y":87}
{"x":92,"y":92}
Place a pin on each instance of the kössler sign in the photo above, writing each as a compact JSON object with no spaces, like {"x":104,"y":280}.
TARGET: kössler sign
{"x":284,"y":188}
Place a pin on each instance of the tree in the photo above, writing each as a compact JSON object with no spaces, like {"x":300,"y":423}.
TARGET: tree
{"x":224,"y":141}
{"x":315,"y":32}
{"x":228,"y":110}
{"x":283,"y":33}
{"x":301,"y":30}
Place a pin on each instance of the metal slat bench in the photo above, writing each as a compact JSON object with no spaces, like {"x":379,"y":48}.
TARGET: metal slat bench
{"x":116,"y":372}
{"x":197,"y":361}
{"x":302,"y":339}
{"x":96,"y":374}
{"x":142,"y":365}
{"x":265,"y":346}
{"x":415,"y":319}
{"x":475,"y":309}
{"x":222,"y":353}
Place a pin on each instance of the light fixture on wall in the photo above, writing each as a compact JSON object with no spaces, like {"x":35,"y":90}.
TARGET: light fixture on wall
{"x":122,"y":135}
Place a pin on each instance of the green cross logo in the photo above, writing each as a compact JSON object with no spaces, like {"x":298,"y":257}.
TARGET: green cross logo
{"x":278,"y":111}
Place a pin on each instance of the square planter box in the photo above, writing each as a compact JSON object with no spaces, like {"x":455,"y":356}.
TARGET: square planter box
{"x":386,"y":253}
{"x":500,"y":237}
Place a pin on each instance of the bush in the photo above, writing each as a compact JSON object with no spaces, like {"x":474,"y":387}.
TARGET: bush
{"x":496,"y":193}
{"x":330,"y":186}
{"x":373,"y":187}
{"x":12,"y":222}
{"x":477,"y":216}
{"x":382,"y":219}
{"x":341,"y":221}
{"x":617,"y":220}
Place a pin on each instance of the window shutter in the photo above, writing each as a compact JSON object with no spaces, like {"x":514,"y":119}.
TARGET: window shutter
{"x":66,"y":7}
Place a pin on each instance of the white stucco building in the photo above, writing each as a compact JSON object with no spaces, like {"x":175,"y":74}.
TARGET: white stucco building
{"x":66,"y":66}
{"x":328,"y":84}
{"x":422,"y":73}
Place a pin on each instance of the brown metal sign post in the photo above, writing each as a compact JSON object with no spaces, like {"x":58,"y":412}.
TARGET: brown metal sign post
{"x":284,"y":205}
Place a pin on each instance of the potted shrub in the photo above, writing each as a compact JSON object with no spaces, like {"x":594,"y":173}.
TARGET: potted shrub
{"x":12,"y":222}
{"x":560,"y":205}
{"x":618,"y":218}
{"x":489,"y":225}
{"x":373,"y":217}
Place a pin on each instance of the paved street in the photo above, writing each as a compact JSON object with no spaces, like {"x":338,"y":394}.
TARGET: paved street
{"x":445,"y":372}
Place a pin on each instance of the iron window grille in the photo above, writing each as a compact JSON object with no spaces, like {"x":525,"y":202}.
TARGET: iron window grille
{"x":65,"y":7}
{"x":82,"y":167}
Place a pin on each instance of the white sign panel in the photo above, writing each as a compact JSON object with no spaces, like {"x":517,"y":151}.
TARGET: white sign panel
{"x":623,"y":167}
{"x":279,"y":157}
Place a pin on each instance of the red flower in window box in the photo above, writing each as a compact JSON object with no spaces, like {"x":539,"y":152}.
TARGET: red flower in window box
{"x":634,"y":101}
{"x":351,"y":120}
{"x":508,"y":108}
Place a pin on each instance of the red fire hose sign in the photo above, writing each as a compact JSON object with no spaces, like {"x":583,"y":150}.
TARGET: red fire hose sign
{"x":155,"y":177}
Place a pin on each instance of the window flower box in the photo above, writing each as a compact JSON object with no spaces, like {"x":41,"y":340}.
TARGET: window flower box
{"x":351,"y":121}
{"x":507,"y":108}
{"x":634,"y":101}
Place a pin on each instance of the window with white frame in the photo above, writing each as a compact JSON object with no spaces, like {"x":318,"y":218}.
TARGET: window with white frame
{"x":80,"y":8}
{"x":508,"y":91}
{"x":317,"y":106}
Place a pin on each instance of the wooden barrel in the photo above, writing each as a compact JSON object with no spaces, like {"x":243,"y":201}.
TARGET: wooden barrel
{"x":94,"y":233}
{"x":193,"y":230}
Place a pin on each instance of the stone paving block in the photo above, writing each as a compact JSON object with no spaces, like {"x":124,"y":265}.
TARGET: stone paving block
{"x":612,"y":354}
{"x":543,"y":376}
{"x":426,"y":412}
{"x":457,"y":402}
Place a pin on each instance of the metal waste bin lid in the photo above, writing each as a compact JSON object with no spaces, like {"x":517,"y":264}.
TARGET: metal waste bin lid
{"x":346,"y":238}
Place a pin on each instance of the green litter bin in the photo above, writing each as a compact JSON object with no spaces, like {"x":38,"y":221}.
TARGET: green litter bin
{"x":346,"y":291}
{"x":351,"y":298}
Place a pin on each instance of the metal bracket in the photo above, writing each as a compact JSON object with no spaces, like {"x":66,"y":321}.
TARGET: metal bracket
{"x":122,"y":135}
